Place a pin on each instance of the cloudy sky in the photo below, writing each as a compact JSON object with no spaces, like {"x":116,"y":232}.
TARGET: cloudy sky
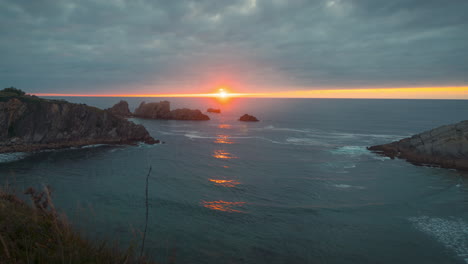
{"x":181,"y":46}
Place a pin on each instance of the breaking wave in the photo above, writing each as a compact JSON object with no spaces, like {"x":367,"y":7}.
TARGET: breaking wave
{"x":453,"y":233}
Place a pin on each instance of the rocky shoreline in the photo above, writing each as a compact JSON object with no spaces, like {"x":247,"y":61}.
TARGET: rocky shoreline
{"x":445,"y":146}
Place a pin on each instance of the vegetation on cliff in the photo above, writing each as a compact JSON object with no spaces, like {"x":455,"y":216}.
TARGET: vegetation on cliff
{"x":38,"y":234}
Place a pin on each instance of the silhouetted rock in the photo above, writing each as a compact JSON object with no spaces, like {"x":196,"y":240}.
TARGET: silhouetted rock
{"x":445,"y":146}
{"x":29,"y":123}
{"x":248,"y":118}
{"x":162,"y":110}
{"x":188,"y":114}
{"x":120,"y":109}
{"x":213,"y":110}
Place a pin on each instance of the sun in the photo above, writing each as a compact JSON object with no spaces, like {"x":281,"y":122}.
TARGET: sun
{"x":222,"y":93}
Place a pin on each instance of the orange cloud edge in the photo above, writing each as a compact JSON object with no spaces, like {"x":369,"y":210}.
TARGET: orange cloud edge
{"x":360,"y":93}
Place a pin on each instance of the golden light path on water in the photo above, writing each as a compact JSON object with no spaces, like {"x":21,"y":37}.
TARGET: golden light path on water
{"x":224,"y":206}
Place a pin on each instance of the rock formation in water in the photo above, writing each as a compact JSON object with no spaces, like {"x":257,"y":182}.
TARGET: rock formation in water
{"x":214,"y":110}
{"x":445,"y":146}
{"x":120,"y":109}
{"x":29,"y":123}
{"x":248,"y":118}
{"x":162,"y":110}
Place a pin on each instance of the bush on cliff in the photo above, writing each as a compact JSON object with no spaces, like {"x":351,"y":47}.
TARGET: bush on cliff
{"x":37,"y":234}
{"x":12,"y":91}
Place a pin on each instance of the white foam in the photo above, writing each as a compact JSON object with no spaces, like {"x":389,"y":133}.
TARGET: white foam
{"x":453,"y":232}
{"x":273,"y":128}
{"x":357,"y":151}
{"x":347,"y":186}
{"x":94,"y":146}
{"x":306,"y":141}
{"x":10,"y":157}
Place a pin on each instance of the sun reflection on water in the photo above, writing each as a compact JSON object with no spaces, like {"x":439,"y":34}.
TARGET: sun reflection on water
{"x":222,"y":154}
{"x":224,"y":206}
{"x":225,"y":183}
{"x":225,"y":126}
{"x":223,"y":139}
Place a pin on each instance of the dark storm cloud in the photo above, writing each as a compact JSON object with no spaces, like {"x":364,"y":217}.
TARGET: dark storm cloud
{"x":109,"y":46}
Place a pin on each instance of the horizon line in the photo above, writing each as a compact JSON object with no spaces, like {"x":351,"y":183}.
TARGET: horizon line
{"x":453,"y":93}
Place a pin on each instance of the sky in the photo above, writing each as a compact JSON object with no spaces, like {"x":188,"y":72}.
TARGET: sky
{"x":286,"y":48}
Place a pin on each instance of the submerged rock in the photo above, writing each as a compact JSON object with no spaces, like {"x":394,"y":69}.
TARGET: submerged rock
{"x":248,"y":118}
{"x":29,"y":123}
{"x":214,"y":110}
{"x":120,"y":109}
{"x":162,"y":110}
{"x":445,"y":146}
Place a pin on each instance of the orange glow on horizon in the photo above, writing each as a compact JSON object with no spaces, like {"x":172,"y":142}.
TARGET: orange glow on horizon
{"x":371,"y":93}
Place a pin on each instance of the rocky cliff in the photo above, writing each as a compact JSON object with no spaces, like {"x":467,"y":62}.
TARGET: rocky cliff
{"x":162,"y":110}
{"x":445,"y":146}
{"x":29,"y":123}
{"x":120,"y":109}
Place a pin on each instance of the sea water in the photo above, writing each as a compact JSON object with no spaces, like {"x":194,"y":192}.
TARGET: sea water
{"x":297,"y":187}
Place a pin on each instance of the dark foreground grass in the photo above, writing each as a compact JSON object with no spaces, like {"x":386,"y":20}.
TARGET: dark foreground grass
{"x":37,"y":234}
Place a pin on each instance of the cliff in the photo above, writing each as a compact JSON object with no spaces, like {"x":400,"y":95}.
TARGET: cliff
{"x":445,"y":146}
{"x":162,"y":110}
{"x":28,"y":123}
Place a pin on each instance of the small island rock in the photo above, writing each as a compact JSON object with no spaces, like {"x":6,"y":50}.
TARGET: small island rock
{"x":445,"y":146}
{"x":248,"y":118}
{"x":162,"y":110}
{"x":214,"y":110}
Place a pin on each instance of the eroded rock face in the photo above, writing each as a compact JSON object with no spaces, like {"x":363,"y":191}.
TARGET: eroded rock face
{"x":248,"y":118}
{"x":120,"y":109}
{"x":27,"y":125}
{"x":445,"y":146}
{"x":162,"y":110}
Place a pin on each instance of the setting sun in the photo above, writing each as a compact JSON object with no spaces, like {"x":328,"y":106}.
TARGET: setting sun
{"x":222,"y":93}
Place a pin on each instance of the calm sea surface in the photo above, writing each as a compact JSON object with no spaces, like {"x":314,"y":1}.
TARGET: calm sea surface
{"x":297,"y":187}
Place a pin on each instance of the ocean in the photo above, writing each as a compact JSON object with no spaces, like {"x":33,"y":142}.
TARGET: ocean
{"x":297,"y":187}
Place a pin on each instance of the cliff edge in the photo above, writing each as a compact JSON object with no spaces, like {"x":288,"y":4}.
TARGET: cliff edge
{"x":29,"y":123}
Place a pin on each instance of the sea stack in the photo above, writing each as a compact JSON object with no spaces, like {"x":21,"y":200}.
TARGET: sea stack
{"x":445,"y":146}
{"x":248,"y":118}
{"x":120,"y":109}
{"x":29,"y":123}
{"x":162,"y":110}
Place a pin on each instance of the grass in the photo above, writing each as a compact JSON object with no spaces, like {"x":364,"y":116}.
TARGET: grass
{"x":36,"y":233}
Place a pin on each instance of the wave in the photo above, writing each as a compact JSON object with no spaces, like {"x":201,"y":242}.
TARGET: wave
{"x":273,"y":128}
{"x":347,"y":186}
{"x":10,"y":157}
{"x":357,"y":151}
{"x":306,"y":141}
{"x":452,"y":233}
